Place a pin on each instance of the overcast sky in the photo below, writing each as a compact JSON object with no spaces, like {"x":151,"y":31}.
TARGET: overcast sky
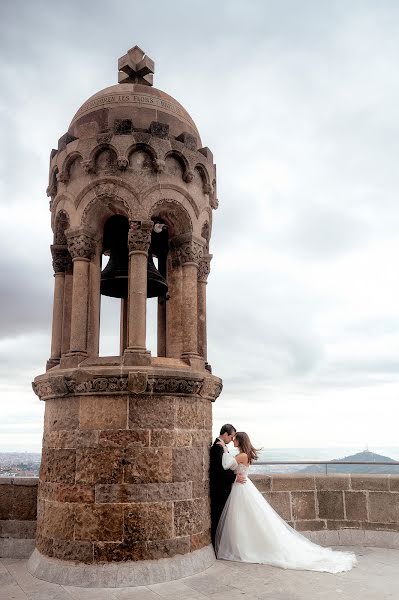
{"x":299,"y":102}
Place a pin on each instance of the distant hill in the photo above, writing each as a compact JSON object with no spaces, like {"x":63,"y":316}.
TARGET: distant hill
{"x":365,"y":456}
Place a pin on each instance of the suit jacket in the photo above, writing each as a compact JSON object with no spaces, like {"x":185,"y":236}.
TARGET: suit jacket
{"x":220,"y":480}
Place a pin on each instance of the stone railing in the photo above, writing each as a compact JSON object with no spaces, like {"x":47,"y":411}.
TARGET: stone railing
{"x":337,"y":509}
{"x":18,"y":498}
{"x":332,"y":510}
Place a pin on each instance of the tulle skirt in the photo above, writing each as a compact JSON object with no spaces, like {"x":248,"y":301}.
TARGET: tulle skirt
{"x":251,"y":531}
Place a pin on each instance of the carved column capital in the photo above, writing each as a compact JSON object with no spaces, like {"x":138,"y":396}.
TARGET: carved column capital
{"x":139,"y":238}
{"x":190,"y":251}
{"x":62,"y":261}
{"x":81,"y":245}
{"x":204,"y":268}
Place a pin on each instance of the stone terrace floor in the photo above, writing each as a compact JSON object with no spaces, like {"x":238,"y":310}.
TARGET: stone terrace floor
{"x":375,"y":578}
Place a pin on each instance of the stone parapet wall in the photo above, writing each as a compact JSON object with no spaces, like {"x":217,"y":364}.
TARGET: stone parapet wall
{"x":18,"y":500}
{"x":337,"y":509}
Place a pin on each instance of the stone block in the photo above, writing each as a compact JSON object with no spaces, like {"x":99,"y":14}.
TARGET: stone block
{"x":331,"y":505}
{"x":25,"y":503}
{"x":303,"y":505}
{"x":58,"y":465}
{"x":184,"y":438}
{"x":281,"y":503}
{"x":163,"y":438}
{"x":355,"y":506}
{"x":200,"y":540}
{"x":394,"y":483}
{"x":77,"y":439}
{"x":370,"y":482}
{"x":332,"y":482}
{"x":190,"y":516}
{"x":337,"y":524}
{"x":103,"y":412}
{"x":99,"y":465}
{"x":44,"y":544}
{"x":262,"y":482}
{"x":120,"y":493}
{"x":190,"y":413}
{"x":188,"y":464}
{"x":17,"y":529}
{"x":384,"y":507}
{"x":148,"y":465}
{"x":105,"y":552}
{"x":293,"y":482}
{"x":99,"y":522}
{"x":73,"y":550}
{"x":201,"y":437}
{"x":61,"y":413}
{"x":148,"y":521}
{"x":151,"y":412}
{"x":180,"y":490}
{"x":6,"y":501}
{"x":124,"y":438}
{"x":312,"y":525}
{"x":200,"y":489}
{"x":167,"y":548}
{"x":375,"y":526}
{"x":73,"y":493}
{"x":158,"y":129}
{"x":59,"y":520}
{"x":189,"y":140}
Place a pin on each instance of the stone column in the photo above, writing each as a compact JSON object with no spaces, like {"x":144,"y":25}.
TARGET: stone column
{"x":174,"y":333}
{"x":94,"y":306}
{"x":61,"y":264}
{"x":139,"y":240}
{"x":123,"y":326}
{"x":203,"y":272}
{"x":81,"y":247}
{"x":190,"y":253}
{"x":67,"y":311}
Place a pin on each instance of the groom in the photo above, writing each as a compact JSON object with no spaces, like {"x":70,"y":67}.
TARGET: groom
{"x":220,"y":481}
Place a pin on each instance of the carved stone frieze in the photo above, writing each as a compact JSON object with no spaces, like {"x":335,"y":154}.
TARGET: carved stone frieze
{"x":62,"y":177}
{"x":88,"y":166}
{"x":173,"y":385}
{"x":62,"y":260}
{"x":81,"y":245}
{"x":139,"y":237}
{"x":159,"y":165}
{"x":102,"y":384}
{"x":133,"y":382}
{"x":188,"y":176}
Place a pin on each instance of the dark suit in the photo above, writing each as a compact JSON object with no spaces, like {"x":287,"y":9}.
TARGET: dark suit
{"x":220,"y":482}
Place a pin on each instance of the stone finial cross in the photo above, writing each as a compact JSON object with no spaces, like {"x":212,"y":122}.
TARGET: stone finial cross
{"x":136,"y":67}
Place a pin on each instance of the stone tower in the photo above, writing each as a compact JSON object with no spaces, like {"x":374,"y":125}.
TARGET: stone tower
{"x":123,"y":494}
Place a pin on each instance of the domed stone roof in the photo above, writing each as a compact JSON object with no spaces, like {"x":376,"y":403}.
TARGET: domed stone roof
{"x":134,"y":99}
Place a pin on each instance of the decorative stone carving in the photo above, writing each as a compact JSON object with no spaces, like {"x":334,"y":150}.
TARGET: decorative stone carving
{"x":88,"y":166}
{"x":104,"y":138}
{"x":123,"y":127}
{"x":102,"y":384}
{"x":122,"y":163}
{"x":137,"y":382}
{"x":62,"y":177}
{"x":51,"y":190}
{"x":158,"y":129}
{"x":159,"y":165}
{"x":173,"y":385}
{"x":81,"y":245}
{"x":188,"y":176}
{"x":139,"y":238}
{"x":62,"y":261}
{"x":105,"y":190}
{"x":207,"y":188}
{"x":214,"y":202}
{"x":52,"y":387}
{"x":190,"y":251}
{"x":61,"y":224}
{"x":211,"y":388}
{"x":204,"y":268}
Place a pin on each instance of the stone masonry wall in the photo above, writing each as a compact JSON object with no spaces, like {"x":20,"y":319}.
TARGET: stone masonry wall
{"x":18,"y":500}
{"x":331,"y":509}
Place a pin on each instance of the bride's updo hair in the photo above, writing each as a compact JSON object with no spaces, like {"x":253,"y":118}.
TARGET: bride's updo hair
{"x":245,"y":446}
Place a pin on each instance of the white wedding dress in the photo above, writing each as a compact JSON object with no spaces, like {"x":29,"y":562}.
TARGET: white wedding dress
{"x":251,"y":531}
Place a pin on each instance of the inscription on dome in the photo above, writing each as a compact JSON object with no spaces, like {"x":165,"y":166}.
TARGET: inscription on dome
{"x":141,"y":100}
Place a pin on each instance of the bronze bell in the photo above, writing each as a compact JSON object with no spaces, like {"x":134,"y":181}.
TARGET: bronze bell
{"x":156,"y":283}
{"x":114,"y":277}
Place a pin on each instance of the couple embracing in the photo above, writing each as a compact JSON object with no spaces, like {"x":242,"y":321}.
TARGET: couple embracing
{"x":246,"y":528}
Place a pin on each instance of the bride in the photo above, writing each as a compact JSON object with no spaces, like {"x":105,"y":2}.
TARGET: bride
{"x":251,"y":531}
